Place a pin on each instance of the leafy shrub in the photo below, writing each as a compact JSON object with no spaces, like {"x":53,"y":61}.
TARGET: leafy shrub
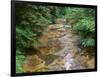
{"x":25,"y":38}
{"x":86,"y":29}
{"x":88,"y":42}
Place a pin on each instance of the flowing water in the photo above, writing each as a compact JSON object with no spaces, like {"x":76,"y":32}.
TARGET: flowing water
{"x":60,"y":51}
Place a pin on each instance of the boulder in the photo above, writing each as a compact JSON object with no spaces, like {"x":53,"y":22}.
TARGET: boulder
{"x":61,"y":30}
{"x":55,"y":26}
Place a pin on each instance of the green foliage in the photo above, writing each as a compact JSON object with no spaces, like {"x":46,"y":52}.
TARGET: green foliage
{"x":25,"y":38}
{"x":74,"y":13}
{"x":88,"y":42}
{"x":19,"y":60}
{"x":86,"y":29}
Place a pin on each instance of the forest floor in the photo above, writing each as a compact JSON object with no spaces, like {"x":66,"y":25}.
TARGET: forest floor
{"x":59,"y":50}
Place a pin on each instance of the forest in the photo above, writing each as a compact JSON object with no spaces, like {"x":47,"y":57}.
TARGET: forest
{"x":54,"y":38}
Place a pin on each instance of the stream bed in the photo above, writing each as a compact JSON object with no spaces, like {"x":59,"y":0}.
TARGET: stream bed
{"x":59,"y":50}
